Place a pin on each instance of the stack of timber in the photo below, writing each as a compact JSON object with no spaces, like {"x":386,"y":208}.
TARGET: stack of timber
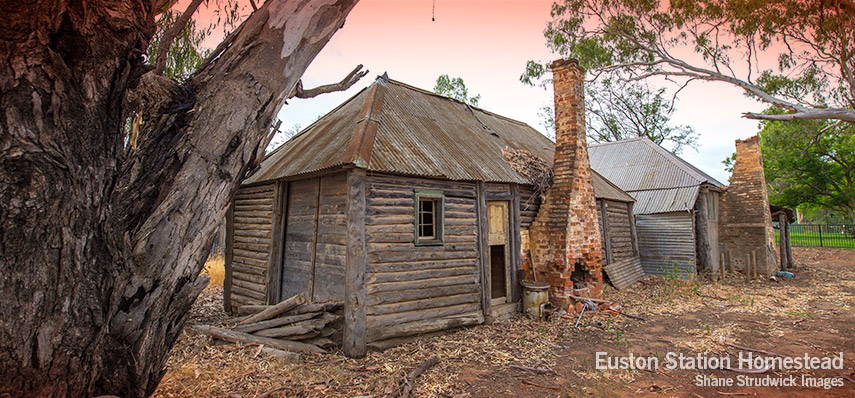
{"x":293,"y":325}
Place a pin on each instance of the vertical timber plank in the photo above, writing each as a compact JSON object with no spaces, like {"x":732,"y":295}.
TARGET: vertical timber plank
{"x":632,"y":229}
{"x":311,"y":295}
{"x":230,"y":245}
{"x":516,"y":244}
{"x":483,"y":251}
{"x":277,"y":242}
{"x":355,"y":262}
{"x":605,"y":240}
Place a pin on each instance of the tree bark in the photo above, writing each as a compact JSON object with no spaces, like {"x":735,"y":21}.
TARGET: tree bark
{"x":100,"y":246}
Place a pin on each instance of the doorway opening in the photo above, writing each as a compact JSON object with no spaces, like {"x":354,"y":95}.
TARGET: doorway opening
{"x":497,"y":271}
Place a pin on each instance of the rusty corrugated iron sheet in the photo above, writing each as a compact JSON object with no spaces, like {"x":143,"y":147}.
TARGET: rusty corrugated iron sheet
{"x":660,"y":181}
{"x":665,"y":200}
{"x":604,"y":189}
{"x":396,"y":128}
{"x":624,"y":273}
{"x":320,"y":146}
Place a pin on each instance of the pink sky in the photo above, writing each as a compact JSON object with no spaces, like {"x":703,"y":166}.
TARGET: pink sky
{"x":487,"y":43}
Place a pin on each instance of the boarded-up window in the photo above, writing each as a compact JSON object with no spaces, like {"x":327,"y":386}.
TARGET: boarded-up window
{"x":712,"y":206}
{"x":429,"y":223}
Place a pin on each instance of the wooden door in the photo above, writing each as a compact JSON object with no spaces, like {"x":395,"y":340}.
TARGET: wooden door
{"x":497,"y":220}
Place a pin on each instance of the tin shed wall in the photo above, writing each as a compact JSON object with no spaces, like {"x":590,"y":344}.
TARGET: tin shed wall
{"x":667,"y":243}
{"x":619,"y":220}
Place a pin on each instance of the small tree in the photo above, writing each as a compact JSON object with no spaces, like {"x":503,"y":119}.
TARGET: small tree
{"x":456,"y":89}
{"x":622,"y":110}
{"x":619,"y":110}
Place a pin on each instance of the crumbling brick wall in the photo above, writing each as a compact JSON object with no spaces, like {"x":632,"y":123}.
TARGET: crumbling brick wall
{"x":564,"y":237}
{"x":746,"y":225}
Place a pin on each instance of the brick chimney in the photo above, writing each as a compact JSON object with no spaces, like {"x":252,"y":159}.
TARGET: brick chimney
{"x":746,"y":224}
{"x":564,"y":237}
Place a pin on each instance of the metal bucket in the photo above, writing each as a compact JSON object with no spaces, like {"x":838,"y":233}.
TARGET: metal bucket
{"x":535,"y":297}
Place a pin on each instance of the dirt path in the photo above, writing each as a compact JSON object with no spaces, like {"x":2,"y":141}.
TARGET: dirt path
{"x":812,"y":314}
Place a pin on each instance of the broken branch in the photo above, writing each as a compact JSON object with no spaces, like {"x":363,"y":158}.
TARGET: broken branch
{"x":408,"y":384}
{"x":344,"y":84}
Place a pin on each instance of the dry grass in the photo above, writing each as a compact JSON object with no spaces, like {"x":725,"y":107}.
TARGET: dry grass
{"x":202,"y":367}
{"x":215,"y":268}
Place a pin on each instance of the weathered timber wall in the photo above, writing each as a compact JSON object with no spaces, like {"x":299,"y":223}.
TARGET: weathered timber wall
{"x":620,"y":236}
{"x":250,"y":245}
{"x":315,"y":238}
{"x":419,"y":289}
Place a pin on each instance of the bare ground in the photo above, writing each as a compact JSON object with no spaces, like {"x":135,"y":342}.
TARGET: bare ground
{"x":812,"y":314}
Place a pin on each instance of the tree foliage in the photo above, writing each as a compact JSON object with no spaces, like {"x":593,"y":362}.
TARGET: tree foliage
{"x":810,"y":162}
{"x":720,"y":40}
{"x":620,"y":110}
{"x":456,"y":89}
{"x":185,"y":54}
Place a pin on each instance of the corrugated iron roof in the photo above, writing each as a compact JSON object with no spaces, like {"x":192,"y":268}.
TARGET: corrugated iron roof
{"x":397,"y":128}
{"x":604,"y":189}
{"x":659,"y":181}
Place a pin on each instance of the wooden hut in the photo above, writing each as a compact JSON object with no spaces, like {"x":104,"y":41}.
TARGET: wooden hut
{"x":400,"y":203}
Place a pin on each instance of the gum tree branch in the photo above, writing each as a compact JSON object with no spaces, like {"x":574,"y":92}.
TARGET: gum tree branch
{"x":344,"y":84}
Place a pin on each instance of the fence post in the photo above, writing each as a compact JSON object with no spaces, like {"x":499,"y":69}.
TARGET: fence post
{"x":820,"y":235}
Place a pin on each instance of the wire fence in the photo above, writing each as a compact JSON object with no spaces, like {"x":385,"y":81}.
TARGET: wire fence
{"x":818,"y":235}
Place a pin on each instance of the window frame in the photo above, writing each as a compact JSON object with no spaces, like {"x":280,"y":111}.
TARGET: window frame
{"x":439,"y":217}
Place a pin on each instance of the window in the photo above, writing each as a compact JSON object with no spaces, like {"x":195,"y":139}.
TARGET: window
{"x":429,"y":223}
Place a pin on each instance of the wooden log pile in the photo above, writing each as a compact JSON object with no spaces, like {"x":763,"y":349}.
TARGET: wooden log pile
{"x":293,"y":325}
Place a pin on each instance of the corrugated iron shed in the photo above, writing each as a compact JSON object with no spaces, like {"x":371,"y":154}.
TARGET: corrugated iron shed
{"x":660,"y":181}
{"x":397,"y":128}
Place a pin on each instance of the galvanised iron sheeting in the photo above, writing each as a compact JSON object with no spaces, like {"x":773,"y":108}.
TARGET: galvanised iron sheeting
{"x":659,"y":181}
{"x":422,"y":133}
{"x":320,"y":146}
{"x":665,"y":200}
{"x":666,"y":243}
{"x":640,"y":164}
{"x":625,"y":272}
{"x":603,"y":189}
{"x":418,"y":133}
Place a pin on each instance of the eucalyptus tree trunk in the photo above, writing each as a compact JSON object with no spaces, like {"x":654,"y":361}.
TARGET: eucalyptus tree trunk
{"x":101,"y":244}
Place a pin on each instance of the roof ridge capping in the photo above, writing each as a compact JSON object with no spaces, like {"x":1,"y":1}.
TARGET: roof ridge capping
{"x":615,"y":142}
{"x":361,"y":144}
{"x":423,"y":91}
